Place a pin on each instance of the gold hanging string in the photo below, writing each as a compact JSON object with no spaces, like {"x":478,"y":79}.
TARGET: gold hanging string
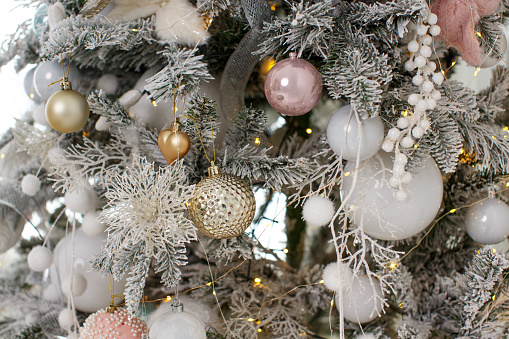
{"x":201,"y":140}
{"x":65,"y":77}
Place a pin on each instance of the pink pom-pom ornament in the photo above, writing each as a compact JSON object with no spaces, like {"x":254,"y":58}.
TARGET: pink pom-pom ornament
{"x":115,"y":324}
{"x":293,"y":86}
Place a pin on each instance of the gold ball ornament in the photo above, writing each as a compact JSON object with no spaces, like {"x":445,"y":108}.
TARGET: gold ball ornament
{"x":173,"y":143}
{"x":67,"y":110}
{"x":223,"y":205}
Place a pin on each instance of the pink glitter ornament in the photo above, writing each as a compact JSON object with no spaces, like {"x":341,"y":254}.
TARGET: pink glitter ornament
{"x":293,"y":86}
{"x":118,"y":325}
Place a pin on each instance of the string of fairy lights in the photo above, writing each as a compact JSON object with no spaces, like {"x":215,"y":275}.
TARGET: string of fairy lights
{"x":257,"y":281}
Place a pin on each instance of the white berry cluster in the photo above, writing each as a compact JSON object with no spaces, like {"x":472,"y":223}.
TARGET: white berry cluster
{"x":413,"y":125}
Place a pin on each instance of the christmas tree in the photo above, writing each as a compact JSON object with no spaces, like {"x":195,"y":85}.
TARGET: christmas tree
{"x":256,"y":169}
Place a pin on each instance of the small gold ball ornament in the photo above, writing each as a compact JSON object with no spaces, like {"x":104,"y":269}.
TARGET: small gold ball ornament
{"x":223,"y":205}
{"x":173,"y":143}
{"x":67,"y":110}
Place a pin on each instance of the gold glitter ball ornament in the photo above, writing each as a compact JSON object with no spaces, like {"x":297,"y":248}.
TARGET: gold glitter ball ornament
{"x":223,"y":205}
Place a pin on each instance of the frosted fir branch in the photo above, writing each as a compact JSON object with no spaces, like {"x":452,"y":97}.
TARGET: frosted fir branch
{"x":357,"y":71}
{"x":100,"y":43}
{"x":307,"y":26}
{"x":136,"y":282}
{"x":248,"y":125}
{"x":226,"y":250}
{"x":212,"y":8}
{"x":490,"y":100}
{"x":295,"y":147}
{"x":255,"y":164}
{"x":100,"y":104}
{"x":87,"y":160}
{"x":23,"y":46}
{"x":201,"y":120}
{"x":386,"y":21}
{"x":400,"y":280}
{"x":491,"y":32}
{"x":412,"y":329}
{"x":183,"y":73}
{"x":486,"y":272}
{"x":34,"y":141}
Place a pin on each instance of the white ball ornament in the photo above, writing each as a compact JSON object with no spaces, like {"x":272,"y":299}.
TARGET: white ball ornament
{"x":374,"y":205}
{"x":39,"y":258}
{"x":30,"y":185}
{"x":51,"y":71}
{"x":66,"y":319}
{"x":344,"y":138}
{"x":487,"y":221}
{"x":363,"y":302}
{"x":39,"y":115}
{"x":108,"y":83}
{"x":74,"y":284}
{"x":91,"y":226}
{"x":318,"y":210}
{"x":335,"y":275}
{"x":177,"y":324}
{"x":97,"y":293}
{"x":407,"y":142}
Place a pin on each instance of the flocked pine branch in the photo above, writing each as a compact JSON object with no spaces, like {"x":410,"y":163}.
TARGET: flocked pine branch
{"x":183,"y":73}
{"x":309,"y":26}
{"x":100,"y":43}
{"x":357,"y":71}
{"x":226,"y":250}
{"x":489,"y":100}
{"x":100,"y":104}
{"x":36,"y":142}
{"x":24,"y":47}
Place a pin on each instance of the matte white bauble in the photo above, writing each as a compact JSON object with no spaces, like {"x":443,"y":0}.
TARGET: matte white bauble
{"x":493,"y":59}
{"x":30,"y":185}
{"x":39,"y":115}
{"x":318,"y":210}
{"x":29,"y":86}
{"x":177,"y":325}
{"x":97,"y":293}
{"x":373,"y":203}
{"x":91,"y":225}
{"x":51,"y":71}
{"x":336,"y":275}
{"x":343,"y":134}
{"x":40,"y":258}
{"x":74,"y":284}
{"x":363,"y":302}
{"x":488,"y":222}
{"x":108,"y":83}
{"x":201,"y":310}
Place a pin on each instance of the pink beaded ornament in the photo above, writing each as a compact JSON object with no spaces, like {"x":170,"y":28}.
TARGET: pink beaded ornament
{"x":113,"y":324}
{"x":293,"y":86}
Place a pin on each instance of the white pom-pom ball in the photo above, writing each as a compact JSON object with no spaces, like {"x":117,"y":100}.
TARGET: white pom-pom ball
{"x":66,"y":318}
{"x":103,"y":124}
{"x":91,"y":225}
{"x":30,"y":185}
{"x":336,"y":274}
{"x":388,"y":146}
{"x":363,"y":302}
{"x":108,"y":83}
{"x":56,"y":13}
{"x":74,"y":284}
{"x":40,"y":258}
{"x":78,"y":200}
{"x":413,"y":46}
{"x":318,"y":210}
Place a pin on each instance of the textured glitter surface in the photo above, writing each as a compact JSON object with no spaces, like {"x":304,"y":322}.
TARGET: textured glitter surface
{"x":116,"y":325}
{"x":223,"y":206}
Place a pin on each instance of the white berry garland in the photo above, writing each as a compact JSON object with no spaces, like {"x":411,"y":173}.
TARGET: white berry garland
{"x":413,"y":125}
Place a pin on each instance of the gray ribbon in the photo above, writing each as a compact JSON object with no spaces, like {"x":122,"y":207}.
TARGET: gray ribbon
{"x":241,"y":63}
